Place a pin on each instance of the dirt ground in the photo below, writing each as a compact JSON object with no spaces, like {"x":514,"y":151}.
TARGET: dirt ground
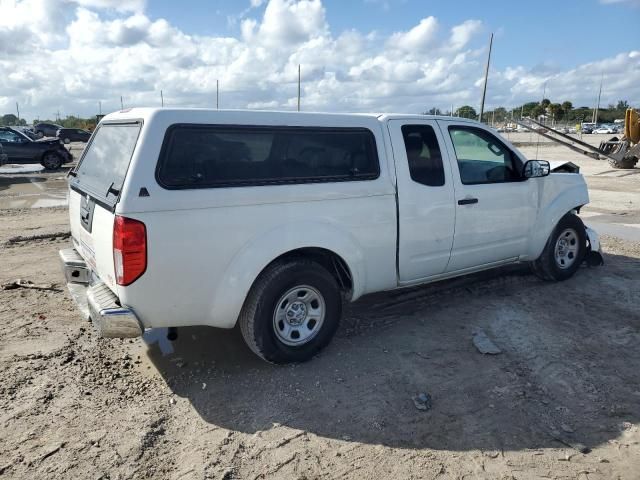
{"x":562,"y":400}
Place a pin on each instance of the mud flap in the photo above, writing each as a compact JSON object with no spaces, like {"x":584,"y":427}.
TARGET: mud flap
{"x":593,"y":257}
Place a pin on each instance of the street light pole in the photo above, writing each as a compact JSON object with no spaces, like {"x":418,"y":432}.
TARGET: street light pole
{"x":595,"y":116}
{"x":298,"y":87}
{"x":486,"y":77}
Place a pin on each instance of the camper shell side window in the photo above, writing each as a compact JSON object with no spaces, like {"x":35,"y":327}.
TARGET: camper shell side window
{"x":210,"y":156}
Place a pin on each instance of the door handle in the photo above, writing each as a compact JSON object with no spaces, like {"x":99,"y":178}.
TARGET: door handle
{"x":467,"y":201}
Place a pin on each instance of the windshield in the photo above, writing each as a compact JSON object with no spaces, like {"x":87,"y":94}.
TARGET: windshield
{"x":104,"y":165}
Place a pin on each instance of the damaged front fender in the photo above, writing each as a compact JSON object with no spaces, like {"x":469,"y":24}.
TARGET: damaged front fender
{"x":593,"y":256}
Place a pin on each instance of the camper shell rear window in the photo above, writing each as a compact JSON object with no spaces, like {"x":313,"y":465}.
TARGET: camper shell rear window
{"x":103,"y":166}
{"x":209,"y":156}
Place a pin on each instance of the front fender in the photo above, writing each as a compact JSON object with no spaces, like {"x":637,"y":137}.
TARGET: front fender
{"x":559,"y":194}
{"x":263,"y":249}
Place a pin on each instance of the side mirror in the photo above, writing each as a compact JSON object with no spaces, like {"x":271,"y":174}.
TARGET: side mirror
{"x":536,"y":168}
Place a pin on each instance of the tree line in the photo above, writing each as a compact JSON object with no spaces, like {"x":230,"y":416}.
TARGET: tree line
{"x":70,"y":121}
{"x":559,"y":112}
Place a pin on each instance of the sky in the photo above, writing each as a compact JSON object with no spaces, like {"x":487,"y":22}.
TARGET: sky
{"x":73,"y":57}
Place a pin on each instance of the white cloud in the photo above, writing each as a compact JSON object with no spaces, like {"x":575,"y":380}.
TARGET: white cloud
{"x":462,"y":34}
{"x":69,"y":61}
{"x":418,"y":38}
{"x":119,"y":5}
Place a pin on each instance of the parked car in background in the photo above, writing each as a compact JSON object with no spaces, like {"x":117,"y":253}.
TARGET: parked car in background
{"x":604,"y":129}
{"x":28,"y":131}
{"x":269,"y":219}
{"x":587,"y":127}
{"x":21,"y":149}
{"x":3,"y":156}
{"x":68,"y":135}
{"x":46,"y":129}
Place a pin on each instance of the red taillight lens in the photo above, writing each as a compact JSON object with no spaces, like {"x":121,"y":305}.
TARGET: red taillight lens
{"x":129,"y":249}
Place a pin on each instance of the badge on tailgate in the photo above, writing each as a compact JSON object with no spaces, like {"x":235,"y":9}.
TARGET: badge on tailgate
{"x":87,"y":206}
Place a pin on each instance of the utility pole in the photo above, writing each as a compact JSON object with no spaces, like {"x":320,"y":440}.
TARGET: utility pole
{"x":298,"y":87}
{"x":451,"y":112}
{"x":99,"y":107}
{"x":161,"y":99}
{"x":217,"y":94}
{"x":595,"y":115}
{"x":18,"y":110}
{"x":486,"y":77}
{"x":121,"y":103}
{"x":493,"y":117}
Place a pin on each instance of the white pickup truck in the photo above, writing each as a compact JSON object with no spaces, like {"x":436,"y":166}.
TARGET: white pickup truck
{"x":186,"y":217}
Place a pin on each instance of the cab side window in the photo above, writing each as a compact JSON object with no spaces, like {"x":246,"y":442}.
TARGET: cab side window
{"x":482,"y":158}
{"x":423,"y":155}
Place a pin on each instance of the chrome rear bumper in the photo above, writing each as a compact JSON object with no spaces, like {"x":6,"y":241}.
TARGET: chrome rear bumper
{"x":96,"y":300}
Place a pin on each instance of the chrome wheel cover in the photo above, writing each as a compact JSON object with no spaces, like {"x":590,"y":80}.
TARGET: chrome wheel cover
{"x":299,"y":315}
{"x":567,"y":248}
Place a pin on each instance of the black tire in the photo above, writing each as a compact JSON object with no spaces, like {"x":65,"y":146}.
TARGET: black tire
{"x":546,"y":266}
{"x":51,"y":161}
{"x":257,"y":322}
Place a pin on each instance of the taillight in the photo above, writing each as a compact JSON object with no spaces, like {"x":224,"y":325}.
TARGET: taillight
{"x":129,"y":249}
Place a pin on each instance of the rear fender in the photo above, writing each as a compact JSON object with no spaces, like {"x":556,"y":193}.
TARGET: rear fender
{"x":263,"y":249}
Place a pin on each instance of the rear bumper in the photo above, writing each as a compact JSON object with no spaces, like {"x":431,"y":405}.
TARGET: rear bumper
{"x":96,"y":301}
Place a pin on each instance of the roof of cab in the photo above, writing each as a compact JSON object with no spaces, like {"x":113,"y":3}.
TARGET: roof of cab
{"x":146,"y":113}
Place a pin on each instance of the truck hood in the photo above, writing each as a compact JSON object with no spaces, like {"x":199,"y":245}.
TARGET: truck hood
{"x":560,"y":166}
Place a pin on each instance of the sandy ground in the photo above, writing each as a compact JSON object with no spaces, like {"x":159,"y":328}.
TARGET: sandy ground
{"x":561,"y":402}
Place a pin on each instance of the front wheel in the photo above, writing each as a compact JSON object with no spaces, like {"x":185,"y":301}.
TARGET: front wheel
{"x":291,"y":312}
{"x":564,"y":251}
{"x":51,"y":161}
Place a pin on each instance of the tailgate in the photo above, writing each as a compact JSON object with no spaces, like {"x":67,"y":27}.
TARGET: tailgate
{"x":95,"y":187}
{"x":94,"y":244}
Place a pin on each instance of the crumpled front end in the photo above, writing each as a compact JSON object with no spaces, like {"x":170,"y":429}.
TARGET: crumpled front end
{"x":593,"y":256}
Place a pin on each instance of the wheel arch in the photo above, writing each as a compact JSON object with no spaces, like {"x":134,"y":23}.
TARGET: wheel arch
{"x":330,"y":246}
{"x":547,"y":222}
{"x":331,"y":261}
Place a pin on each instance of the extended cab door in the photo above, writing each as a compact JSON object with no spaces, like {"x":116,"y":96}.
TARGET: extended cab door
{"x":495,"y":206}
{"x":426,"y":205}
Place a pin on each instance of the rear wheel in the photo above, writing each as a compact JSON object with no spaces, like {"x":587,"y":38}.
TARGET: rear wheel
{"x":564,"y":251}
{"x":291,"y":312}
{"x":51,"y":161}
